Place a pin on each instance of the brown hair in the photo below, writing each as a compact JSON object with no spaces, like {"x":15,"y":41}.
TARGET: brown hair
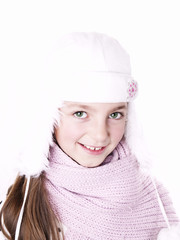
{"x":39,"y":221}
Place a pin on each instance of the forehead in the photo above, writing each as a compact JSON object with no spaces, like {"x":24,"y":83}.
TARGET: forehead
{"x":94,"y":106}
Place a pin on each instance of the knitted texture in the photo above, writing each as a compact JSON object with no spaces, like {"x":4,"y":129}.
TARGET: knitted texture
{"x":112,"y":202}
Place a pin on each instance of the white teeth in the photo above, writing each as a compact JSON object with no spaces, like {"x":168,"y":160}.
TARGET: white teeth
{"x":97,"y":148}
{"x":92,"y":148}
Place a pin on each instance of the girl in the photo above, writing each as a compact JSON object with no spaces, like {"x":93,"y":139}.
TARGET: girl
{"x":83,"y":169}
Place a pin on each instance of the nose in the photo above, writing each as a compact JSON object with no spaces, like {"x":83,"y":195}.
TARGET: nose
{"x":99,"y":133}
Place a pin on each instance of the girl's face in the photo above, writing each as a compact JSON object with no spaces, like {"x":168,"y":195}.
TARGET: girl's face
{"x":88,"y":133}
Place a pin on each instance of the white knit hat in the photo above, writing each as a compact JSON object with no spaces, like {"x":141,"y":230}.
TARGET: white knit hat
{"x":91,"y":67}
{"x":82,"y":67}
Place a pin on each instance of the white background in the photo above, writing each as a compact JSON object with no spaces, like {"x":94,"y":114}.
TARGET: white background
{"x":148,"y":30}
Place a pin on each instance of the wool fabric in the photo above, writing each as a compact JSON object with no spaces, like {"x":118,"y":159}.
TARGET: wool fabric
{"x":94,"y":63}
{"x":113,"y":201}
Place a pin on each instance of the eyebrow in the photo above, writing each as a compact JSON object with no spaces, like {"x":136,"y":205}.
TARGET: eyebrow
{"x":119,"y":108}
{"x":86,"y":107}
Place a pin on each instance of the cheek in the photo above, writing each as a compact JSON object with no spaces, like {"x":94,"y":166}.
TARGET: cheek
{"x":68,"y":132}
{"x":118,"y":132}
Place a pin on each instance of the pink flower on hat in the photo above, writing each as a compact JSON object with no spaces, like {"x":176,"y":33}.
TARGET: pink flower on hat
{"x":132,"y":89}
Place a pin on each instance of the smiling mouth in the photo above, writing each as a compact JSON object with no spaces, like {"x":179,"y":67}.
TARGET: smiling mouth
{"x":92,"y":148}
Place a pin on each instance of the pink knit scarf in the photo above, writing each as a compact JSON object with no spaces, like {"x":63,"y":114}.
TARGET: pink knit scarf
{"x":111,"y":202}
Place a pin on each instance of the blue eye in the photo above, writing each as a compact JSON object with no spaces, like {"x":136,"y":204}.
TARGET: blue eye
{"x":80,"y":114}
{"x":115,"y":115}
